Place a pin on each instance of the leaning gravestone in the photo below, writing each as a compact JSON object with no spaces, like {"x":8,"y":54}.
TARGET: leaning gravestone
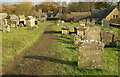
{"x":105,"y":24}
{"x":109,"y":38}
{"x":90,"y":54}
{"x":93,"y":33}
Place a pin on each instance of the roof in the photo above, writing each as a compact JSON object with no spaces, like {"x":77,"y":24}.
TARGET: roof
{"x":80,"y":15}
{"x":101,"y":14}
{"x":49,"y":14}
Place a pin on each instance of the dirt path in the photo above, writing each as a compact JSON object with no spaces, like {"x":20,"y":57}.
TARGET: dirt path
{"x":27,"y":64}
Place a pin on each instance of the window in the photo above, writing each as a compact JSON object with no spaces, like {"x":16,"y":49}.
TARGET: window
{"x":115,"y":16}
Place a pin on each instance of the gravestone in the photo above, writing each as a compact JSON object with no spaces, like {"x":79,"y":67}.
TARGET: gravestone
{"x":62,"y":21}
{"x":71,"y":22}
{"x":13,"y":26}
{"x":93,"y":22}
{"x":65,"y":30}
{"x":109,"y":38}
{"x":6,"y":28}
{"x":58,"y":22}
{"x":80,"y":30}
{"x":30,"y":21}
{"x":90,"y":54}
{"x":105,"y":24}
{"x":82,"y":22}
{"x":88,"y":20}
{"x":14,"y":19}
{"x":3,"y":22}
{"x":22,"y":19}
{"x":93,"y":33}
{"x":77,"y":39}
{"x":21,"y":25}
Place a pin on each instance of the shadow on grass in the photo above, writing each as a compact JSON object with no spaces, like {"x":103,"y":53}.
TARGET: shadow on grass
{"x":72,"y":63}
{"x":64,"y":40}
{"x":71,"y":48}
{"x":52,"y":32}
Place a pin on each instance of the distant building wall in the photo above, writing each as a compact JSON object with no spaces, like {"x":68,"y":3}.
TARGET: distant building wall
{"x":114,"y":12}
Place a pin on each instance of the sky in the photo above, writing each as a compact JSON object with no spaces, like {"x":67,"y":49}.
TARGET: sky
{"x":38,"y":1}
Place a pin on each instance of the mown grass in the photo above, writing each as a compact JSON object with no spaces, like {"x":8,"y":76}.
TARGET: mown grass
{"x":18,"y":39}
{"x":67,"y":55}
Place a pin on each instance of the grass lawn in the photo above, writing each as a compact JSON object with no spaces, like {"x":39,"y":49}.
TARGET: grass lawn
{"x":67,"y":55}
{"x":18,"y":39}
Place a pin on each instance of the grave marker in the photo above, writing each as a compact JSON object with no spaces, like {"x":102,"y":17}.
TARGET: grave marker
{"x":90,"y":54}
{"x":109,"y":38}
{"x":105,"y":24}
{"x":93,"y":33}
{"x":65,"y":30}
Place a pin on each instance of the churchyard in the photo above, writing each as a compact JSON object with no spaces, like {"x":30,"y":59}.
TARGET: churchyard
{"x":63,"y":53}
{"x":60,"y":41}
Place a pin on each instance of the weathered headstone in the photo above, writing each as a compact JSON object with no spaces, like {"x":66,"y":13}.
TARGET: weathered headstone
{"x":93,"y":33}
{"x":80,"y":30}
{"x":22,"y":19}
{"x":3,"y":22}
{"x":109,"y":38}
{"x":14,"y":19}
{"x":13,"y":25}
{"x":90,"y":54}
{"x":58,"y":22}
{"x":6,"y":28}
{"x":65,"y":30}
{"x":77,"y":39}
{"x":88,"y":20}
{"x":62,"y":21}
{"x":21,"y":25}
{"x":30,"y":21}
{"x":71,"y":22}
{"x":105,"y":24}
{"x":93,"y":22}
{"x":82,"y":22}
